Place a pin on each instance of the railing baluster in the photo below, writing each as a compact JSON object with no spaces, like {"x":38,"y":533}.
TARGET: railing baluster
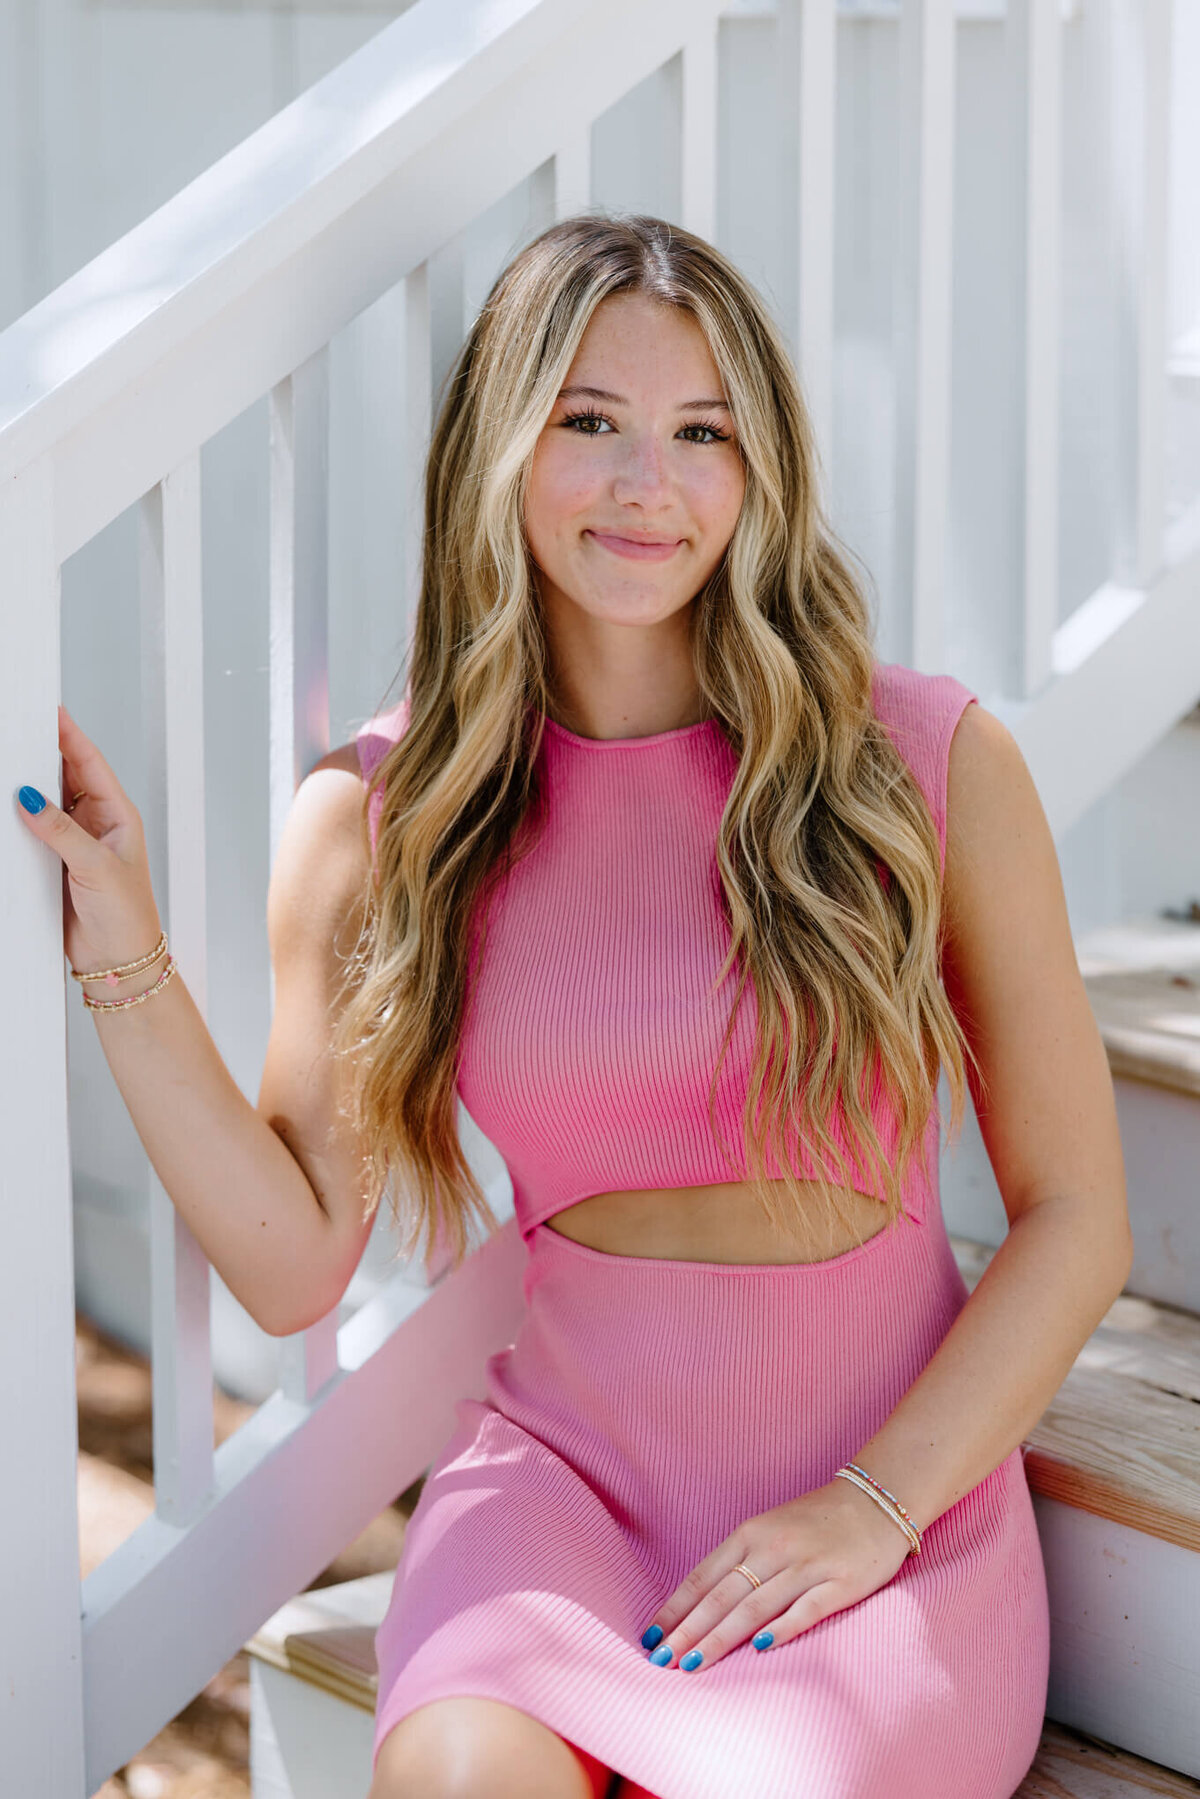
{"x":41,"y":1689}
{"x":1040,"y":74}
{"x":300,"y":685}
{"x":923,"y":323}
{"x":808,"y":53}
{"x":418,"y":393}
{"x":173,"y":721}
{"x":299,"y":582}
{"x":698,"y":130}
{"x":1141,"y":125}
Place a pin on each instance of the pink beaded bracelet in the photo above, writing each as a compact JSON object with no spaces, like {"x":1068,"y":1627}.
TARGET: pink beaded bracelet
{"x":135,"y":999}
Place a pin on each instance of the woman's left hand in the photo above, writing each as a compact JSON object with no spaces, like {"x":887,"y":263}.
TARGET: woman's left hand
{"x":814,"y":1555}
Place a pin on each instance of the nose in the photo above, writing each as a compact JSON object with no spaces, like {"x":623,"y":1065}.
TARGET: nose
{"x":642,"y":478}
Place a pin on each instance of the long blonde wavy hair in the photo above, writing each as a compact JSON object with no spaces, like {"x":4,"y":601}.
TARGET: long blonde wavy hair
{"x":845,"y":964}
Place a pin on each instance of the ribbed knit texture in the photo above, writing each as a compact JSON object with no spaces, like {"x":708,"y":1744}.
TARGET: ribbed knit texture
{"x":649,"y":1406}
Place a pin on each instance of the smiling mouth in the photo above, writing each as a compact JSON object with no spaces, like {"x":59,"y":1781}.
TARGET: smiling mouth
{"x":639,"y":549}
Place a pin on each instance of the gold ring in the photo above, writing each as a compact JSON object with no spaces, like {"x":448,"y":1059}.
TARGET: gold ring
{"x":79,"y":796}
{"x":750,"y":1576}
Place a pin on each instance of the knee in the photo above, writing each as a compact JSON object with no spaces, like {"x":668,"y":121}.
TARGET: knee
{"x":462,"y":1748}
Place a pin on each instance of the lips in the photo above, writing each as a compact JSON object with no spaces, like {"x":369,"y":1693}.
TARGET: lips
{"x":638,"y":549}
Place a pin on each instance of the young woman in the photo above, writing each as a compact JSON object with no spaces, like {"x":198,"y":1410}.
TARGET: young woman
{"x":689,"y":899}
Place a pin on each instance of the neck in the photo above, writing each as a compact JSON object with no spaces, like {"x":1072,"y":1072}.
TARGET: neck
{"x":612,"y":681}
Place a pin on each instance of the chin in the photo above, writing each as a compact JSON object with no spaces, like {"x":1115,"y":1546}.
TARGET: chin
{"x":652,"y":610}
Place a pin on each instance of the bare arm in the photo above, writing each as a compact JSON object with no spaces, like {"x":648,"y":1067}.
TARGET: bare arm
{"x":1049,"y":1125}
{"x":266,"y":1190}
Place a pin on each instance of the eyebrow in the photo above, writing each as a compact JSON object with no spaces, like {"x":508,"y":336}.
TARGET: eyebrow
{"x":600,"y":393}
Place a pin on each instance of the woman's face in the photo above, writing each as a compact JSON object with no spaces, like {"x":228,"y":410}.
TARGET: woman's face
{"x":637,"y":479}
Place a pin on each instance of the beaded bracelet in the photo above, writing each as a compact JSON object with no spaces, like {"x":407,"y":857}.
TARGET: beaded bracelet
{"x":887,"y":1502}
{"x":113,"y":975}
{"x":135,"y":999}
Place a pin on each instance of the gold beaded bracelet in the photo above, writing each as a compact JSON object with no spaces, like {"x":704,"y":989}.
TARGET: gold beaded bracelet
{"x":887,"y":1502}
{"x":113,"y":975}
{"x":135,"y":999}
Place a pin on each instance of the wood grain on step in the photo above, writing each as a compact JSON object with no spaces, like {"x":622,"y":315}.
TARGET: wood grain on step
{"x":1149,"y":1019}
{"x":1121,"y":1438}
{"x":1068,"y":1766}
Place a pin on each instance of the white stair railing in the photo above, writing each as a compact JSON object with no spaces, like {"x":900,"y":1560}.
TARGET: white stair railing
{"x":109,"y":388}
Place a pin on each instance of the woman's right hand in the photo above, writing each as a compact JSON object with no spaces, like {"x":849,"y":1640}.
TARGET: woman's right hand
{"x":109,"y":913}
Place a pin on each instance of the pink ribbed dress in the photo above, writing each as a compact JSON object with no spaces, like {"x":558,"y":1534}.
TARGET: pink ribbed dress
{"x":649,"y":1406}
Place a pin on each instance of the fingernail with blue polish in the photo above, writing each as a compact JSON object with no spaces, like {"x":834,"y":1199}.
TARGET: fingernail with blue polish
{"x":653,"y":1636}
{"x":764,"y":1639}
{"x":691,"y":1660}
{"x":31,"y":799}
{"x":662,"y":1656}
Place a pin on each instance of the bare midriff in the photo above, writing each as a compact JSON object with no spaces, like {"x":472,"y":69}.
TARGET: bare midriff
{"x":721,"y":1223}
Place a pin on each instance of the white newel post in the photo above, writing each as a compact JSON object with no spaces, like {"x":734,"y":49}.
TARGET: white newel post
{"x":41,"y":1680}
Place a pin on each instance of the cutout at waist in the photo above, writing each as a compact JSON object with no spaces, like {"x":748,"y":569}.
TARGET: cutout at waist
{"x":719,"y":1224}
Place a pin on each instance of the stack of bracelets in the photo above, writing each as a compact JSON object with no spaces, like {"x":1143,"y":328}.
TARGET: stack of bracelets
{"x":886,"y":1501}
{"x":113,"y":975}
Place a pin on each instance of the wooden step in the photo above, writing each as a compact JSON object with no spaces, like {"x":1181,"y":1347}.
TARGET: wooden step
{"x":1121,"y":1438}
{"x":1069,"y":1765}
{"x":1143,"y":980}
{"x":326,"y":1639}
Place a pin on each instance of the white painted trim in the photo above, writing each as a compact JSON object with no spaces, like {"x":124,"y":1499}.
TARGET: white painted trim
{"x":1124,"y":1650}
{"x":41,"y":1708}
{"x":1077,"y":742}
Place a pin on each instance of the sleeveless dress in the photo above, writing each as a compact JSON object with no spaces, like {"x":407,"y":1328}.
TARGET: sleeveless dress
{"x":649,"y":1406}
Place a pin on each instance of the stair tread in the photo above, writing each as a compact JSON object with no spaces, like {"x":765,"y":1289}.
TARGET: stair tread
{"x":1070,"y":1766}
{"x":1122,"y":1435}
{"x":1143,"y":980}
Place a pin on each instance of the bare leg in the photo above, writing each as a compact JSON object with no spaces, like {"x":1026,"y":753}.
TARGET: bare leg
{"x":465,"y":1748}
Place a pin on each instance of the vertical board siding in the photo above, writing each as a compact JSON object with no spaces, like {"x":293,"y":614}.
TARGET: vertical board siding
{"x":698,"y":128}
{"x":171,"y":601}
{"x":1042,"y":67}
{"x":41,"y":1695}
{"x":1140,"y":122}
{"x":809,"y":53}
{"x":923,"y":317}
{"x":1155,"y":19}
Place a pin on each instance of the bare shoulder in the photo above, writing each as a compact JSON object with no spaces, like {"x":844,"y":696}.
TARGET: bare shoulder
{"x":322,"y":865}
{"x":999,"y":849}
{"x":1002,"y":892}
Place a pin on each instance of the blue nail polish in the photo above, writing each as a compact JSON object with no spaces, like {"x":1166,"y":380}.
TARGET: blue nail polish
{"x":764,"y":1639}
{"x":691,"y":1660}
{"x":653,"y":1636}
{"x":662,"y":1656}
{"x":31,"y":799}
